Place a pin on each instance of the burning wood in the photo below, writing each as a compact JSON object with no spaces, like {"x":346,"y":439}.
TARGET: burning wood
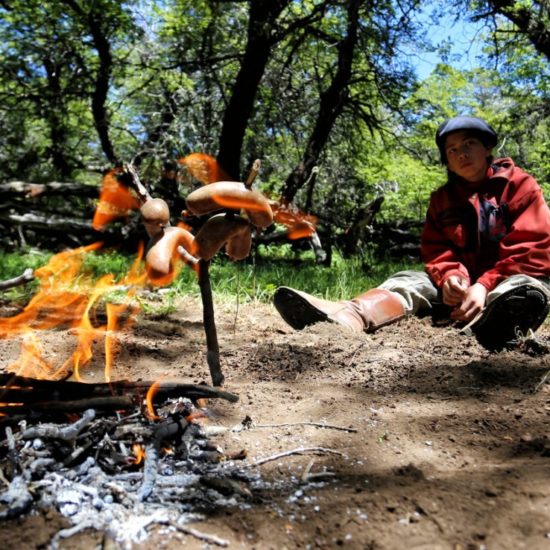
{"x":68,"y":298}
{"x":20,"y":395}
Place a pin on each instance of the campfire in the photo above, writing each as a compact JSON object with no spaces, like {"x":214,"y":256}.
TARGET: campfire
{"x":121,"y":455}
{"x":109,"y":456}
{"x":119,"y":466}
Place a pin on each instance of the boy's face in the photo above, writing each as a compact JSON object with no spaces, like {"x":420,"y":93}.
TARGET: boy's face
{"x":467,"y":156}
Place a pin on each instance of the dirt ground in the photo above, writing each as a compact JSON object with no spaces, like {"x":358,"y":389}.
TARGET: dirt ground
{"x":448,"y":445}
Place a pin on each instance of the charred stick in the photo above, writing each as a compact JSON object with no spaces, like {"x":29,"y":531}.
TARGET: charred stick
{"x":24,"y":278}
{"x":166,"y":430}
{"x":68,"y":433}
{"x":17,"y":499}
{"x":40,"y":466}
{"x":212,"y":347}
{"x":298,"y":451}
{"x":149,"y":471}
{"x":122,"y":402}
{"x":194,"y":391}
{"x":12,"y":450}
{"x":210,"y":539}
{"x":77,"y":453}
{"x":133,"y":430}
{"x":18,"y":389}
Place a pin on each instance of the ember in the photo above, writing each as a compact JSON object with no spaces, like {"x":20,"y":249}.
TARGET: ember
{"x":118,"y":471}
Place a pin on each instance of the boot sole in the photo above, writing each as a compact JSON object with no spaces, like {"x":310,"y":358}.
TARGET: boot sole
{"x":296,"y":310}
{"x":511,"y":316}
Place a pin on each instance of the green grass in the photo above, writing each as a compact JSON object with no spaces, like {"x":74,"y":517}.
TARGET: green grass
{"x":246,"y":281}
{"x":257,"y":282}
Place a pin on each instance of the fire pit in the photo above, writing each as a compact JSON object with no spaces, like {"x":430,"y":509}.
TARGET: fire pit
{"x":120,"y":466}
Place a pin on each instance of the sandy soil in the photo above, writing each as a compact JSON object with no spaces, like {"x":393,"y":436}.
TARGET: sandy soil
{"x":450,"y":448}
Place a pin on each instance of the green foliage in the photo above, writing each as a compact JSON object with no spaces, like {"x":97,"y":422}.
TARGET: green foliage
{"x":173,"y":69}
{"x":230,"y":281}
{"x":14,"y":263}
{"x":49,"y":74}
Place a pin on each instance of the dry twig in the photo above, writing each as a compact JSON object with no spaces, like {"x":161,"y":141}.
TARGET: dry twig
{"x":298,"y":451}
{"x":316,"y":424}
{"x":25,"y":277}
{"x":254,"y":171}
{"x":210,"y":539}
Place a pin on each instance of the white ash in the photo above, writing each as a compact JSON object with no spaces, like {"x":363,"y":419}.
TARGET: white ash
{"x":88,"y":476}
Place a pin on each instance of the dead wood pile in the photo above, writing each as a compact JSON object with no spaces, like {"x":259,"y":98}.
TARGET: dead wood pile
{"x":56,"y":215}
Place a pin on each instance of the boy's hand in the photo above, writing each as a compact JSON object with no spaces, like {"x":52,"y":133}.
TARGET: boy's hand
{"x":472,"y":304}
{"x":454,"y":290}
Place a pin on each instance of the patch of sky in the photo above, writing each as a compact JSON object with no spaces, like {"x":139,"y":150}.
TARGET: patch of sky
{"x":444,"y":38}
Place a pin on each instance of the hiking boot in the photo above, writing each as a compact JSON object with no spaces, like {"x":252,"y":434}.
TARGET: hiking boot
{"x":510,"y":316}
{"x":367,"y":312}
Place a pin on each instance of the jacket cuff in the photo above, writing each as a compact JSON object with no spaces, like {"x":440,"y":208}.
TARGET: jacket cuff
{"x":490,"y":280}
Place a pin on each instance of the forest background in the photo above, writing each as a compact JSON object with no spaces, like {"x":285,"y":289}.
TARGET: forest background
{"x":327,"y":93}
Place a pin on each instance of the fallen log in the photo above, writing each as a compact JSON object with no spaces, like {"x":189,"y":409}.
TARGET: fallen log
{"x":34,"y":190}
{"x":26,"y":277}
{"x":40,"y":221}
{"x":281,"y":237}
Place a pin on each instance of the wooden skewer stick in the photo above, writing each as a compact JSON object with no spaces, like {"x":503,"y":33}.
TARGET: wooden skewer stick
{"x":135,"y":182}
{"x":212,"y":347}
{"x":254,"y":171}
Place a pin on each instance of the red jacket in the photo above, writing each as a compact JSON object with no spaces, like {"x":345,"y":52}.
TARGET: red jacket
{"x":500,"y":228}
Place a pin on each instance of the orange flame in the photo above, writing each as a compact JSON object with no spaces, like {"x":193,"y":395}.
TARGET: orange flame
{"x":68,"y":297}
{"x":299,"y":225}
{"x":139,"y":453}
{"x":204,"y":168}
{"x":31,"y":361}
{"x":151,"y":413}
{"x":115,"y":200}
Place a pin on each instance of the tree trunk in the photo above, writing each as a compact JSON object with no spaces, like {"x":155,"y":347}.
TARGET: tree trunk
{"x":534,"y":25}
{"x":94,"y":20}
{"x":102,"y":82}
{"x":263,"y":14}
{"x":57,"y":127}
{"x":331,"y":105}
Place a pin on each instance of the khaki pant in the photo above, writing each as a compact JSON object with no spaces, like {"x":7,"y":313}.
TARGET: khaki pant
{"x":417,"y":291}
